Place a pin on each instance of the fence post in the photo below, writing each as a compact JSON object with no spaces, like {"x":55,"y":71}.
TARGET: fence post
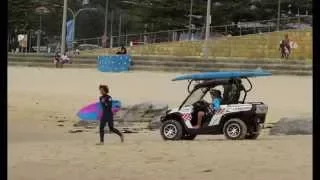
{"x":111,"y":41}
{"x":145,"y":38}
{"x":269,"y":28}
{"x":173,"y":36}
{"x":126,"y":39}
{"x":111,"y":30}
{"x":226,"y":29}
{"x":299,"y":20}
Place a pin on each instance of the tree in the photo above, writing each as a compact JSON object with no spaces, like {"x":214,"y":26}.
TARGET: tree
{"x":21,"y":15}
{"x":157,"y":14}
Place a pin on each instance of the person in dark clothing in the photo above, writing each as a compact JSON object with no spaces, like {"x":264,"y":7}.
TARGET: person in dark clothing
{"x":107,"y":116}
{"x":57,"y":59}
{"x":122,"y":51}
{"x":285,"y":48}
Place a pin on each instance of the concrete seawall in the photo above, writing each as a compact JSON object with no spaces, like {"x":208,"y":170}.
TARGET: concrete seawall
{"x":177,"y":64}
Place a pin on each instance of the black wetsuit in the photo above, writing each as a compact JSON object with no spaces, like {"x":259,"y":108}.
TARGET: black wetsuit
{"x":107,"y":116}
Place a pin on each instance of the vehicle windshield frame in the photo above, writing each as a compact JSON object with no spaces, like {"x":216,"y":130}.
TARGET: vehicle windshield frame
{"x":204,"y":91}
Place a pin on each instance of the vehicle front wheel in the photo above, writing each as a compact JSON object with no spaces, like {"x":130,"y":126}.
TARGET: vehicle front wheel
{"x":235,"y":129}
{"x":171,"y":130}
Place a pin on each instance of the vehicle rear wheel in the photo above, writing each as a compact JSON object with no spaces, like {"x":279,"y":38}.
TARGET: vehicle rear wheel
{"x":189,"y":137}
{"x":171,"y":130}
{"x":235,"y":129}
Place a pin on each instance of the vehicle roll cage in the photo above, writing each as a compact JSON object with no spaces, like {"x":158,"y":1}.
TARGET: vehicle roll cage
{"x":208,"y":84}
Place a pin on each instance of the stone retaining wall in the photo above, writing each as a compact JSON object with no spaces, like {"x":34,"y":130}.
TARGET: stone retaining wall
{"x":178,"y":64}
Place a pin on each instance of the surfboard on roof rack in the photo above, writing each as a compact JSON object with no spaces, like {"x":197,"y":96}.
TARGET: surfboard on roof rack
{"x":223,"y":75}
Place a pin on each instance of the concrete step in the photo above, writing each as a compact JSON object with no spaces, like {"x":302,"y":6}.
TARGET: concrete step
{"x":47,"y":59}
{"x":216,"y":59}
{"x":50,"y":65}
{"x":197,"y":69}
{"x":92,"y":59}
{"x":169,"y":68}
{"x":199,"y":63}
{"x":240,"y":65}
{"x":177,"y":64}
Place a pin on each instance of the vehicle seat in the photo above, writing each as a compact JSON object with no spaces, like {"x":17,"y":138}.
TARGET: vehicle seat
{"x":231,"y":94}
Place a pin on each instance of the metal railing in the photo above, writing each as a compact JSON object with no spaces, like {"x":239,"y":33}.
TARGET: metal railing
{"x":234,"y":29}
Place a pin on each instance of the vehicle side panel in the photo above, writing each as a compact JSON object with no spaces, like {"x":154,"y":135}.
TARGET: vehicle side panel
{"x":228,"y":109}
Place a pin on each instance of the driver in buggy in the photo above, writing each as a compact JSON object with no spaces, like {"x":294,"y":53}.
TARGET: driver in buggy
{"x":215,"y":106}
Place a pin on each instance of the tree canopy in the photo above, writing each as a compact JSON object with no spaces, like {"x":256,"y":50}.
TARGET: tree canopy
{"x":155,"y":15}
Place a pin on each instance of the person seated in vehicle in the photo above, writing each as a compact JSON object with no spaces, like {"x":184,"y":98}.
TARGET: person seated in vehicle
{"x":232,"y":91}
{"x":215,"y":103}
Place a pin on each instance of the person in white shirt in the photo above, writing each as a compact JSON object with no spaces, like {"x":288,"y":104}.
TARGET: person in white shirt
{"x":65,"y":59}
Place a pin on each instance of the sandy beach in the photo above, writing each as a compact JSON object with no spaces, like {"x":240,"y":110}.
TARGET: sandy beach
{"x":41,"y":150}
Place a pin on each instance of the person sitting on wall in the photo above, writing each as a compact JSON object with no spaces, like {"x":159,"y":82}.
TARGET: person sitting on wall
{"x":65,"y":59}
{"x":57,"y":59}
{"x":76,"y":52}
{"x":122,"y":51}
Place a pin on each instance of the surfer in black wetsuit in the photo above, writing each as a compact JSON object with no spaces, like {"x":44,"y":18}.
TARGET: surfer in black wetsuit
{"x":107,"y":116}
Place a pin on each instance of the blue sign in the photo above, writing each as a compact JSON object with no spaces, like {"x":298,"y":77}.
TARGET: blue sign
{"x":117,"y":63}
{"x":70,"y":31}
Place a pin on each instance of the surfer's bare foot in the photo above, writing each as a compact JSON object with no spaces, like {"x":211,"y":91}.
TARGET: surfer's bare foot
{"x":100,"y":144}
{"x":122,"y":138}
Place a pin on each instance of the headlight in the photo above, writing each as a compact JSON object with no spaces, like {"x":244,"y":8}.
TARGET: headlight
{"x":261,"y":109}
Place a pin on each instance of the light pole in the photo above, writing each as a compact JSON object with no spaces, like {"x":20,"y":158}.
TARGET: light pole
{"x":105,"y":24}
{"x":39,"y":35}
{"x":279,"y":14}
{"x":299,"y":20}
{"x":208,"y":22}
{"x":40,"y":10}
{"x":119,"y":39}
{"x":111,"y":24}
{"x":190,"y":19}
{"x":63,"y":29}
{"x":74,"y":16}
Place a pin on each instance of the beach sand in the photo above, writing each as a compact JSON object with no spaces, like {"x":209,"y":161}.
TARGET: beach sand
{"x":39,"y":149}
